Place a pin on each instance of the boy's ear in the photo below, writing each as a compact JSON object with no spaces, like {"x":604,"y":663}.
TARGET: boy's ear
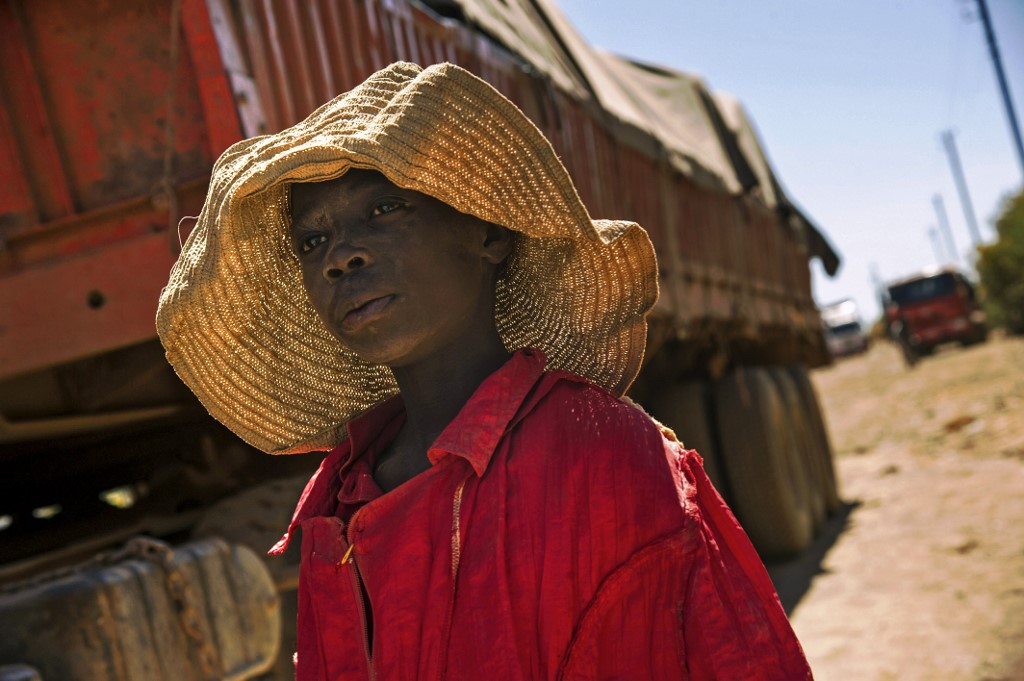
{"x":497,"y":243}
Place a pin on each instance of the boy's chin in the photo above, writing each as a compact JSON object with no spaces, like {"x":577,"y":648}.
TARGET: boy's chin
{"x":399,"y":347}
{"x":393,"y":353}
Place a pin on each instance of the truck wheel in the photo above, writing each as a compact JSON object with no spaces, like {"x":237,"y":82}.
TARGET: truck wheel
{"x":823,"y":449}
{"x":770,"y":495}
{"x":257,"y":518}
{"x":805,"y":447}
{"x":910,"y":354}
{"x":684,"y":408}
{"x":979,"y":335}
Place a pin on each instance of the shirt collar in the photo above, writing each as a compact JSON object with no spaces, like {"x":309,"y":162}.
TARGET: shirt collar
{"x":320,"y":498}
{"x":475,"y":432}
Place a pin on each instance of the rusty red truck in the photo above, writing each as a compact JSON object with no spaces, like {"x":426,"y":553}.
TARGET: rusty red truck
{"x":927,"y":309}
{"x":111,"y":116}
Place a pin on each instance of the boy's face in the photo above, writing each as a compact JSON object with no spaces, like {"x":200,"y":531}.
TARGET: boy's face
{"x":394,"y":274}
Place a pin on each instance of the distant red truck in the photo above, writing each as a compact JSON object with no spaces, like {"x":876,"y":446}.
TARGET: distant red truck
{"x":928,"y":309}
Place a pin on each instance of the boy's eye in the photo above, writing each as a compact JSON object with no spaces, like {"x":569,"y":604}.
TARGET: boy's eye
{"x":386,"y":206}
{"x":310,"y":242}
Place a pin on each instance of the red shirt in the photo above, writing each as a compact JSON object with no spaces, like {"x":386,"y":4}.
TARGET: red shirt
{"x":559,"y":534}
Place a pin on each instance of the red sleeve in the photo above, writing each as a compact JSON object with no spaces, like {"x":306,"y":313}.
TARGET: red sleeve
{"x":695,"y":604}
{"x":733,"y":622}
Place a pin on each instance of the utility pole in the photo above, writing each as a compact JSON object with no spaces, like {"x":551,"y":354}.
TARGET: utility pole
{"x":880,"y":289}
{"x":933,"y":234}
{"x":876,"y":277}
{"x":940,"y":212}
{"x":961,"y":186}
{"x":1004,"y":87}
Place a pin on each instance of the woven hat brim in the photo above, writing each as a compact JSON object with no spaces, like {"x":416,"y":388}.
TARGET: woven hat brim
{"x":237,"y":324}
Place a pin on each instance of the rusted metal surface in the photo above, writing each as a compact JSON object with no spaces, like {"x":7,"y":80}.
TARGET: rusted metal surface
{"x":84,"y":87}
{"x":201,"y":612}
{"x":212,"y":55}
{"x":29,"y":133}
{"x":86,"y":303}
{"x":87,"y":139}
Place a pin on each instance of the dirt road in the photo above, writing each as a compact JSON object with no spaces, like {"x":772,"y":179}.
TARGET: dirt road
{"x":922,"y":575}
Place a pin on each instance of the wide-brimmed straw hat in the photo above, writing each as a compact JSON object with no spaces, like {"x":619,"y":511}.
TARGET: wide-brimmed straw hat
{"x":238,"y":326}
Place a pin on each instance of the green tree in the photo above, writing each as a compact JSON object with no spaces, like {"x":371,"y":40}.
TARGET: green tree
{"x":1001,"y":268}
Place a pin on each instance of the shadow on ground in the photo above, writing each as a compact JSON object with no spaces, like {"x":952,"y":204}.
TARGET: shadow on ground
{"x":792,"y":578}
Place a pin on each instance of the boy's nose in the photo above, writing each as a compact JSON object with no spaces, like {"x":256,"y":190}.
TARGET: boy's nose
{"x":344,"y":259}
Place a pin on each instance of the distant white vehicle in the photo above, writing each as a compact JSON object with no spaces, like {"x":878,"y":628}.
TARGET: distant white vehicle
{"x":844,"y":330}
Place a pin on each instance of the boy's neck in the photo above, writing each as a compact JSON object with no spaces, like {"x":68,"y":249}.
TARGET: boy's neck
{"x":434,"y":392}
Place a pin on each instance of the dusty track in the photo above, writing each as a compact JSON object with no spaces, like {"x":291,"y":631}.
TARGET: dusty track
{"x":922,"y":575}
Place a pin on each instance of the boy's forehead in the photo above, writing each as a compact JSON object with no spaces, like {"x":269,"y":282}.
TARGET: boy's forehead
{"x":306,"y":195}
{"x":354,"y":184}
{"x":309,"y":200}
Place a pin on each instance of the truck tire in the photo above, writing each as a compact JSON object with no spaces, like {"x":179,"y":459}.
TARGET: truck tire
{"x":812,"y":408}
{"x":257,"y":518}
{"x":684,"y":407}
{"x":910,"y":355}
{"x":805,"y":448}
{"x":769,"y":493}
{"x":978,"y":335}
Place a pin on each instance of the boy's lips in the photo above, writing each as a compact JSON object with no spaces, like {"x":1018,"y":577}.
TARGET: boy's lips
{"x":364,"y":313}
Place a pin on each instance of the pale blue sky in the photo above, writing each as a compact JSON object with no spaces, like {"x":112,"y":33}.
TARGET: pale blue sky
{"x":850,"y":97}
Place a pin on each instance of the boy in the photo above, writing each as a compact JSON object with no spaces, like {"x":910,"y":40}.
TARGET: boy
{"x":409,"y":279}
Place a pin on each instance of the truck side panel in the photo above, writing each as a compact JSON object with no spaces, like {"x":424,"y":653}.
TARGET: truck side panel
{"x":87,"y":87}
{"x":725,"y":261}
{"x":96,"y":166}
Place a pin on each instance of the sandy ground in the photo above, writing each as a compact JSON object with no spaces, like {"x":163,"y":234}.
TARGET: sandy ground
{"x":922,"y":574}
